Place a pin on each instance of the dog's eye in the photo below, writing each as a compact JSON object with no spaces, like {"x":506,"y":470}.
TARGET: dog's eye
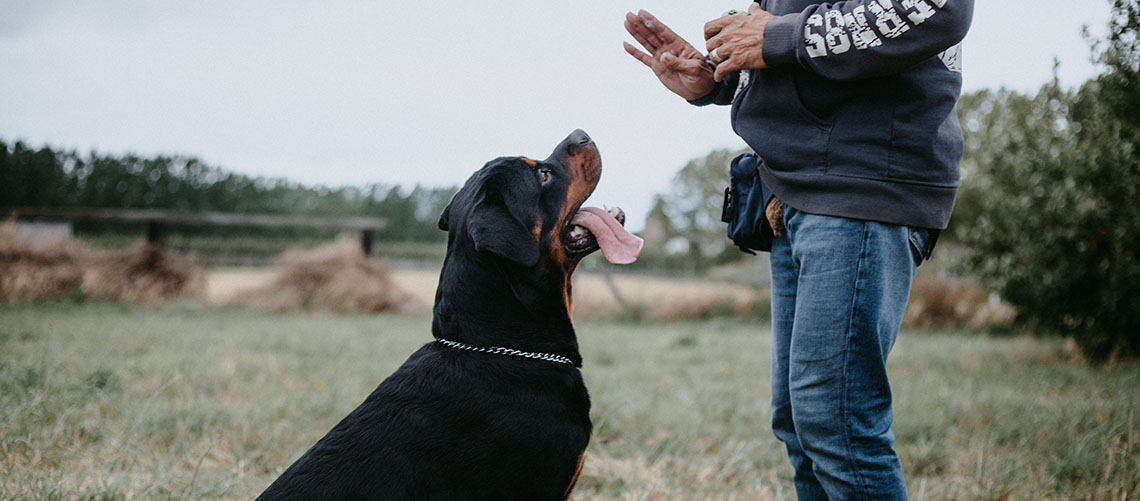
{"x":543,"y":175}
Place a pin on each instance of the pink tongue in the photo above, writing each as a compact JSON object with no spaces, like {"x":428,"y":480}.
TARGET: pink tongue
{"x":618,"y":245}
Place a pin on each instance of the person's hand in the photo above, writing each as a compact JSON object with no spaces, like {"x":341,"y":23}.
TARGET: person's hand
{"x":737,"y":42}
{"x":679,"y":65}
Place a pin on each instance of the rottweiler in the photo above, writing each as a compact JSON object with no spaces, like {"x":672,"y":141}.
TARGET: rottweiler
{"x":495,"y":407}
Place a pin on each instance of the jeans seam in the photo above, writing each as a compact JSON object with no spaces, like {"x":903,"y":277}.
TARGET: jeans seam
{"x":847,"y":359}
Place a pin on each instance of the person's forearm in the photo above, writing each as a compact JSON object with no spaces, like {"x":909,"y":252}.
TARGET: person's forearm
{"x":859,"y":39}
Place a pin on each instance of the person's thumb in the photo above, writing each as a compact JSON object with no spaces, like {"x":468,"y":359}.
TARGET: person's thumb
{"x":670,"y":61}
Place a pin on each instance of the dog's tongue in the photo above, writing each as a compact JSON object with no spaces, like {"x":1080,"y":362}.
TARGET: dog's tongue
{"x":618,"y":245}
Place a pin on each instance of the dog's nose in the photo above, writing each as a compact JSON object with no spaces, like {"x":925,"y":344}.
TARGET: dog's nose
{"x":579,"y":136}
{"x":574,"y":144}
{"x":576,"y":141}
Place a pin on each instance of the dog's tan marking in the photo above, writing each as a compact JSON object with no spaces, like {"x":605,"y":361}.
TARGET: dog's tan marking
{"x":530,"y":162}
{"x":577,"y":193}
{"x":568,"y":297}
{"x":583,"y":181}
{"x":558,"y":263}
{"x":584,"y":172}
{"x":577,"y":472}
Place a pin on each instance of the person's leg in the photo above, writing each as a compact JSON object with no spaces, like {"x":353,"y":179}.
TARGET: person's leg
{"x":785,"y":274}
{"x":852,"y":286}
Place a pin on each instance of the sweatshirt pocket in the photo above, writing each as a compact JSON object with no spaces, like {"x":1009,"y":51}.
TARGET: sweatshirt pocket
{"x":769,"y":115}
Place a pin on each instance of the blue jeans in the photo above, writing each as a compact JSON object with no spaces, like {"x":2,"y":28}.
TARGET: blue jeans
{"x":839,"y":288}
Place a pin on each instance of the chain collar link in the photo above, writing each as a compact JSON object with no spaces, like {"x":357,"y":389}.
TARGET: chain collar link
{"x":507,"y":351}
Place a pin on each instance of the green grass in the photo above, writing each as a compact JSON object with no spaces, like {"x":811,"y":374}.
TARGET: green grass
{"x":101,"y":401}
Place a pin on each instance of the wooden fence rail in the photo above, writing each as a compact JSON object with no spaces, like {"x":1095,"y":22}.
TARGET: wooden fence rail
{"x":156,"y":220}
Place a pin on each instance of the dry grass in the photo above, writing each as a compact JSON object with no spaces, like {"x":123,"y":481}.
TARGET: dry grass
{"x":945,"y":301}
{"x":145,"y":274}
{"x":597,"y":295}
{"x":335,"y":277}
{"x":32,"y":270}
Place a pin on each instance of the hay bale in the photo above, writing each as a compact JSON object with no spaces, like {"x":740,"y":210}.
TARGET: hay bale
{"x":335,"y":277}
{"x":34,"y":271}
{"x":145,"y":273}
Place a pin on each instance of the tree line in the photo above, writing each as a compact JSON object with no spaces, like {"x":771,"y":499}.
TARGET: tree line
{"x":47,"y":177}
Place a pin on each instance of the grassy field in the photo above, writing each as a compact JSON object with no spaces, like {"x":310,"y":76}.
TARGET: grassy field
{"x":191,"y":402}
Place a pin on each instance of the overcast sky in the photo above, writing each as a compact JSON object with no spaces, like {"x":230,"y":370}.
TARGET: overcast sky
{"x":358,"y":92}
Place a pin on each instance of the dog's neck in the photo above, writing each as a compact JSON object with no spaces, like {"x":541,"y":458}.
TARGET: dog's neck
{"x":485,"y":302}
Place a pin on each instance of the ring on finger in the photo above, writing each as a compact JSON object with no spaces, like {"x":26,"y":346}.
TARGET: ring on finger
{"x":714,"y":56}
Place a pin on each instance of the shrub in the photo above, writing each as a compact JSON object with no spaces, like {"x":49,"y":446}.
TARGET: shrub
{"x":1057,"y":231}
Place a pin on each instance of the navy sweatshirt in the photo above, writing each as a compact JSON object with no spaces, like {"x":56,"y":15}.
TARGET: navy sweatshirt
{"x":854,"y":116}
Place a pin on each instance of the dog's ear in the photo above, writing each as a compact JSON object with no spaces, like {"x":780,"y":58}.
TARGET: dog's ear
{"x":502,"y":219}
{"x":444,"y":218}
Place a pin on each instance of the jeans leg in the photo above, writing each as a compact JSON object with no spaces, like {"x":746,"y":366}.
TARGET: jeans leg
{"x":785,"y":273}
{"x":851,"y":289}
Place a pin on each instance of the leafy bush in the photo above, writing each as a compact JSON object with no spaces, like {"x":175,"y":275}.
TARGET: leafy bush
{"x":1056,"y":179}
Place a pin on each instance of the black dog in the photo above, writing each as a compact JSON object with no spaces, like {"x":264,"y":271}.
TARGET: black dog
{"x":495,"y":407}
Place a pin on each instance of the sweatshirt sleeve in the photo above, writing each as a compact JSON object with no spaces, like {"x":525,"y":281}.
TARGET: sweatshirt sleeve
{"x":856,"y":39}
{"x":721,"y":94}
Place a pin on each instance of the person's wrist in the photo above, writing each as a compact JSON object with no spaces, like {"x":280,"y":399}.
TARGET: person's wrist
{"x":707,"y":84}
{"x":708,"y":97}
{"x":701,"y":91}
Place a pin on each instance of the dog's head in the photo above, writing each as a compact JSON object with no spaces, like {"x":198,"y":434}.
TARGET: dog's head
{"x":529,"y":212}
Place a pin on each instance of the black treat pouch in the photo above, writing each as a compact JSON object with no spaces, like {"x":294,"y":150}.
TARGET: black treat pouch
{"x":745,"y":200}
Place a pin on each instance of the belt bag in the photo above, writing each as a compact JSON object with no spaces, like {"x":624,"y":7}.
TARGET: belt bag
{"x":745,"y":200}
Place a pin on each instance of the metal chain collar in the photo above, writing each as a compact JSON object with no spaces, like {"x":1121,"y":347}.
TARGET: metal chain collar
{"x":507,"y":351}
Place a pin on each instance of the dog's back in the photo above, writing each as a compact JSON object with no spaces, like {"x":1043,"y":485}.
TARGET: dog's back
{"x":450,"y":426}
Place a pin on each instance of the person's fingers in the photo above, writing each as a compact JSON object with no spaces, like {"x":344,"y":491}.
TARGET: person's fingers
{"x":714,"y":43}
{"x":754,"y":8}
{"x":656,"y":28}
{"x":727,"y":65}
{"x":647,"y":33}
{"x":715,"y":56}
{"x":714,"y":27}
{"x":646,"y":59}
{"x":636,"y":25}
{"x":669,"y":61}
{"x":637,"y":30}
{"x":630,"y":21}
{"x":722,"y":70}
{"x":682,"y":66}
